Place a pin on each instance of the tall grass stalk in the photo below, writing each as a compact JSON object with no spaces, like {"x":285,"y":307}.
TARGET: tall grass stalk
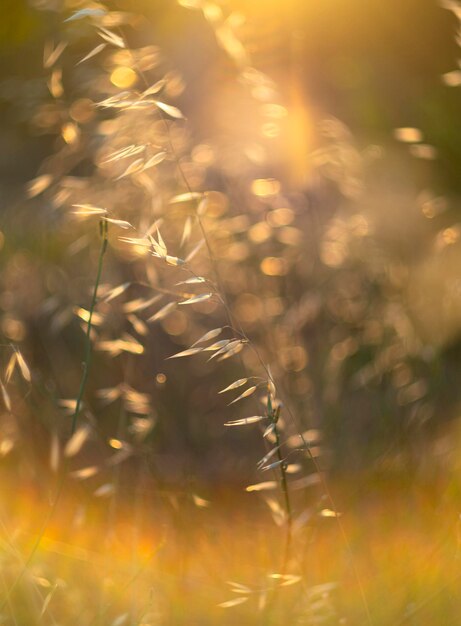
{"x":83,"y":382}
{"x":273,"y":412}
{"x":87,"y":359}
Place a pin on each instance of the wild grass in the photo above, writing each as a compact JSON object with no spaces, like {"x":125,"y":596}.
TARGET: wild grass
{"x":197,"y":347}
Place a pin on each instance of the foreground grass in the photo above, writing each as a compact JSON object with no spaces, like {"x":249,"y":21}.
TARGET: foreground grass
{"x":150,"y":559}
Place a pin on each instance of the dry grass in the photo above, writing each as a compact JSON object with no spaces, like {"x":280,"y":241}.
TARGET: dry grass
{"x":178,"y":411}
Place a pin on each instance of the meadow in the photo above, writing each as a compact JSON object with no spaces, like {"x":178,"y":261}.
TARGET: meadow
{"x":230,"y":318}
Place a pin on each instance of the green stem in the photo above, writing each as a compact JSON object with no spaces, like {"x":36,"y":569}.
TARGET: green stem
{"x":62,"y":480}
{"x":273,"y":415}
{"x":87,"y":360}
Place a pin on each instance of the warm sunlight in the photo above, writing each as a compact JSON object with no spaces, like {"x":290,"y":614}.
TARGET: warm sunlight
{"x":230,"y":309}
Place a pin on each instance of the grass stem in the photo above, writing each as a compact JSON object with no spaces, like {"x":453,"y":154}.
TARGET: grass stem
{"x":62,"y":480}
{"x":87,"y":360}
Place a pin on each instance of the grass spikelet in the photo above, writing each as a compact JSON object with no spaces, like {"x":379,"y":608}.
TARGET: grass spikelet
{"x":77,"y":441}
{"x":248,"y":392}
{"x":245,"y":421}
{"x":196,"y":299}
{"x":208,"y":336}
{"x":231,"y":603}
{"x":237,"y":383}
{"x":5,"y":396}
{"x":188,"y":352}
{"x":169,"y":110}
{"x":38,"y":185}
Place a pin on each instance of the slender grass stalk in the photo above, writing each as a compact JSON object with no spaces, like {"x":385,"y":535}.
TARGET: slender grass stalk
{"x":62,"y":480}
{"x":87,"y":360}
{"x":274,"y":415}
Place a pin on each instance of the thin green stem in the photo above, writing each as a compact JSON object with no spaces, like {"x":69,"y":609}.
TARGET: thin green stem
{"x":62,"y":480}
{"x":274,"y":415}
{"x":87,"y":360}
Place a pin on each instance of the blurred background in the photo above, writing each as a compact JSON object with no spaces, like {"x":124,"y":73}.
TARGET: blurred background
{"x":372,"y":191}
{"x":326,"y":135}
